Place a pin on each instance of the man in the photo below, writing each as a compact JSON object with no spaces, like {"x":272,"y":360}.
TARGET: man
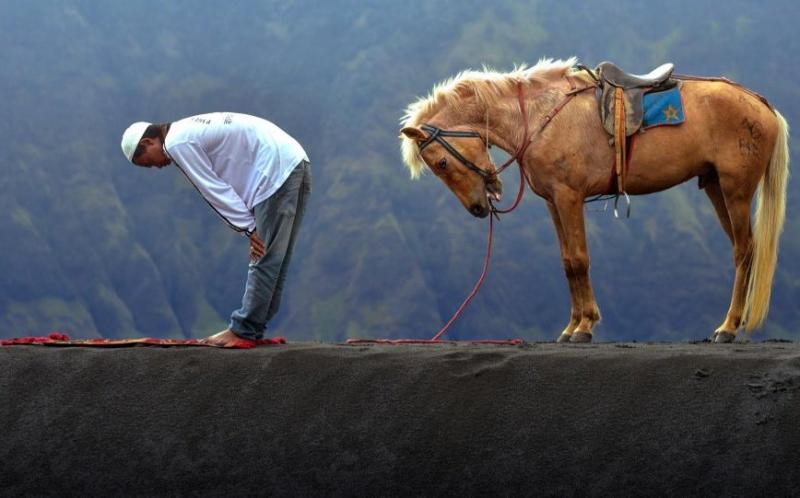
{"x":256,"y":177}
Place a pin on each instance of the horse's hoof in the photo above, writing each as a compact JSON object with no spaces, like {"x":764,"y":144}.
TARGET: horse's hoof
{"x":724,"y":337}
{"x":563,"y":338}
{"x":581,"y":337}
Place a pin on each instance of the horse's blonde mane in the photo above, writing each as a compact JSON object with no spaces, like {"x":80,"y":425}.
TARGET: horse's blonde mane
{"x":487,"y":85}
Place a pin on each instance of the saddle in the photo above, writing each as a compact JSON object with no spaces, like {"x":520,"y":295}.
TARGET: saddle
{"x":621,"y":109}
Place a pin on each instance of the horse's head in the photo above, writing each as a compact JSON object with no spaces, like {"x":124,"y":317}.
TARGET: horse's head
{"x":460,"y":158}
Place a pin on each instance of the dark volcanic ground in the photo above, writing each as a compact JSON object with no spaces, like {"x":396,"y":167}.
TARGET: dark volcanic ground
{"x":320,"y":419}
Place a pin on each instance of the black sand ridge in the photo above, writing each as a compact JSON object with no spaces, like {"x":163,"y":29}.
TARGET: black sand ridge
{"x":310,"y":419}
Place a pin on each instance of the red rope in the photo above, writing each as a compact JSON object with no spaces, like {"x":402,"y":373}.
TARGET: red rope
{"x":487,"y":258}
{"x":518,"y":156}
{"x":475,"y":288}
{"x":477,"y":284}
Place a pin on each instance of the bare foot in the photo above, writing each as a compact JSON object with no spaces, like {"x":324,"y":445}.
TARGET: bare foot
{"x":226,"y":339}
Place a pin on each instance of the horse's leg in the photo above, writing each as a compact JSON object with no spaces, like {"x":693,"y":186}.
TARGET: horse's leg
{"x":737,"y":199}
{"x":714,"y":193}
{"x":569,"y":208}
{"x":574,"y":317}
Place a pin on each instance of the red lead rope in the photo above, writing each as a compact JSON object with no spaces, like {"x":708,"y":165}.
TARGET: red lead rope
{"x":518,"y":156}
{"x":486,"y":259}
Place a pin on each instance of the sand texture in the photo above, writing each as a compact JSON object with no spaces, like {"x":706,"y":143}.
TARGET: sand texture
{"x":308,"y":419}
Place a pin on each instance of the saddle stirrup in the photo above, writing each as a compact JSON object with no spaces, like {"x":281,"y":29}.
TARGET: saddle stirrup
{"x":627,"y":201}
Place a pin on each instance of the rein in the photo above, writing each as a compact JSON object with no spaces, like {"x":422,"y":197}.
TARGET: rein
{"x":437,"y":134}
{"x":488,"y":176}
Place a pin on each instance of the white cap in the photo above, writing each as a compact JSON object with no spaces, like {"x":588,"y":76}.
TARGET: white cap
{"x":131,"y":138}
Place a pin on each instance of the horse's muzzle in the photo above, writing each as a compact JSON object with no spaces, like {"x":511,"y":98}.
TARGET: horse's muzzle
{"x":479,"y":211}
{"x":494,"y":189}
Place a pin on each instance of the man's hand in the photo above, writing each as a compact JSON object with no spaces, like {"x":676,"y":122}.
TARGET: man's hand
{"x":257,"y":249}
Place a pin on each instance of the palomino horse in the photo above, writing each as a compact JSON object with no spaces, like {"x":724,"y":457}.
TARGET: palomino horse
{"x":732,"y":140}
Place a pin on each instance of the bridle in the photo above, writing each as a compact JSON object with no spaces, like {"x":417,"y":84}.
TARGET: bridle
{"x":437,"y":134}
{"x":488,"y":176}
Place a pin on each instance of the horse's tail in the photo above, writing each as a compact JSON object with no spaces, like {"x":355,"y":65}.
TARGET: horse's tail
{"x":769,"y":217}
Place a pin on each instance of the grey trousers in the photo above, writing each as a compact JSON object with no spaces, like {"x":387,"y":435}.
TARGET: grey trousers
{"x":277,"y":222}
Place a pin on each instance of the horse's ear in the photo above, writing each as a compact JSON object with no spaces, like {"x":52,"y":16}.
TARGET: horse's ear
{"x":413,"y":133}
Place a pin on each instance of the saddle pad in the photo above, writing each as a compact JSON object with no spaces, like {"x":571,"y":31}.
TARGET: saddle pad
{"x":663,"y":108}
{"x":58,"y":339}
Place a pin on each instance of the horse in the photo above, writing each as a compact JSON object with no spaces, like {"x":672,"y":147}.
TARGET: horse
{"x":733,"y":141}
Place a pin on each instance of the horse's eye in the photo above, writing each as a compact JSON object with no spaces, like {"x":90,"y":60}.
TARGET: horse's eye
{"x":443,"y":163}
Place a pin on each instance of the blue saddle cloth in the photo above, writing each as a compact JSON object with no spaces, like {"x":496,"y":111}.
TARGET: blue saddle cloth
{"x":663,"y":108}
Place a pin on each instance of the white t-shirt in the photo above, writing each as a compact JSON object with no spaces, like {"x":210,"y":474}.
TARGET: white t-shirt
{"x":234,"y":160}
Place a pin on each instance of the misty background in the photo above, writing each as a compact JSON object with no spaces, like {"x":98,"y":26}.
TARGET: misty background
{"x":93,"y":246}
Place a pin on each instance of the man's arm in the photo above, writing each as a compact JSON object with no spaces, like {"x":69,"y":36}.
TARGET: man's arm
{"x":190,"y":158}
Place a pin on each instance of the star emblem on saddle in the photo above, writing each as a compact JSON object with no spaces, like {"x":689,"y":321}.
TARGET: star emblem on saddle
{"x":671,"y":113}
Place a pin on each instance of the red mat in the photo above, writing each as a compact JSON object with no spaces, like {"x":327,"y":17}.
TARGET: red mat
{"x":59,"y":339}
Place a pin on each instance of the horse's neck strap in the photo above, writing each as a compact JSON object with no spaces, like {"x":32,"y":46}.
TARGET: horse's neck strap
{"x":519,"y":154}
{"x":526,"y":139}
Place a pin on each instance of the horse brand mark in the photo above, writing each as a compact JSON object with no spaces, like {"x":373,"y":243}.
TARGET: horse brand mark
{"x":565,"y":178}
{"x":228,"y":119}
{"x":749,"y":147}
{"x":753,"y":127}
